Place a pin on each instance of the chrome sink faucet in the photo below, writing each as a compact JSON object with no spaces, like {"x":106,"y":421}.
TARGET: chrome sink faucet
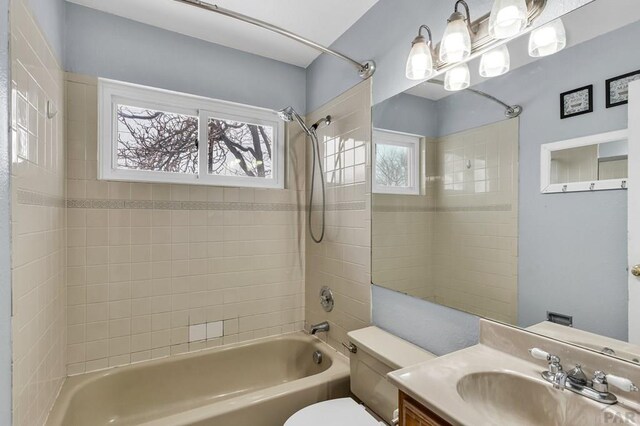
{"x":576,"y":380}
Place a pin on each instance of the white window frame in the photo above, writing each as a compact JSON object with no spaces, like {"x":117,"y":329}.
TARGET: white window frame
{"x":407,"y":140}
{"x":112,"y":93}
{"x":546,"y":150}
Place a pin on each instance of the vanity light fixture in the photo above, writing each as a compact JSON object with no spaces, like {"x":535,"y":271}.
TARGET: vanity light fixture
{"x":420,"y":61}
{"x":508,"y":18}
{"x":463,"y":38}
{"x":548,"y":39}
{"x":456,"y":42}
{"x":457,"y":78}
{"x":495,"y":62}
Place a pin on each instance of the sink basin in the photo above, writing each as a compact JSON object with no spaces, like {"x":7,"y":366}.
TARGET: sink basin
{"x":512,"y":399}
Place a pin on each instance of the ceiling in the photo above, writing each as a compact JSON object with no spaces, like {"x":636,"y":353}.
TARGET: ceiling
{"x":583,"y":24}
{"x":322,"y":21}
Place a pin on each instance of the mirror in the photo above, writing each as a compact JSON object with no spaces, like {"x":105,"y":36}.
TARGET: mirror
{"x":592,"y":163}
{"x":468,"y":209}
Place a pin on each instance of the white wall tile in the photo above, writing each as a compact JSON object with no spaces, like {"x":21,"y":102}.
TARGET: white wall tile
{"x":39,"y":316}
{"x":215,"y":329}
{"x":149,"y":274}
{"x":197,"y":332}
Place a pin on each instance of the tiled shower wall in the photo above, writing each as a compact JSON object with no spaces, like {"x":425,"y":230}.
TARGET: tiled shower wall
{"x":476,"y":239}
{"x":38,"y":238}
{"x":402,"y":254}
{"x":342,"y":261}
{"x":457,"y":243}
{"x":145,"y":261}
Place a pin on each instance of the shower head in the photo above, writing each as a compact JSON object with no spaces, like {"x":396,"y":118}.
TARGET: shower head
{"x":289,"y":114}
{"x":286,"y":114}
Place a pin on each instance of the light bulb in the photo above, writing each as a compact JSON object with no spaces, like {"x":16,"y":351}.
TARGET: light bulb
{"x":457,"y":78}
{"x":508,"y":18}
{"x":420,"y":61}
{"x":495,"y":62}
{"x":456,"y":42}
{"x":548,"y":39}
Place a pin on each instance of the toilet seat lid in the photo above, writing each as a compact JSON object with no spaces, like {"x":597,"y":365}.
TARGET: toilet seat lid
{"x":334,"y":412}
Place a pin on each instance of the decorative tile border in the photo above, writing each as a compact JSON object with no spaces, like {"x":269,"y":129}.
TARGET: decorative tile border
{"x":204,"y":205}
{"x":403,"y":209}
{"x":178,"y":205}
{"x":411,"y":209}
{"x":488,"y":208}
{"x":37,"y":199}
{"x":351,"y":205}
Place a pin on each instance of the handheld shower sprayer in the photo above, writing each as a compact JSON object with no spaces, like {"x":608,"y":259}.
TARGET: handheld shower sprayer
{"x":288,"y":114}
{"x":326,"y":121}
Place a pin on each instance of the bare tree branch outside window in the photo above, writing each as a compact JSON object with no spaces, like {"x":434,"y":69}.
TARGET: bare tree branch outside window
{"x":168,"y":142}
{"x":392,"y":165}
{"x":157,"y":141}
{"x":239,"y":149}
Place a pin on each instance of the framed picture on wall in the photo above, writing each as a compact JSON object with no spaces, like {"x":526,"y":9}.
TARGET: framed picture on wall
{"x":576,"y":102}
{"x":618,"y":88}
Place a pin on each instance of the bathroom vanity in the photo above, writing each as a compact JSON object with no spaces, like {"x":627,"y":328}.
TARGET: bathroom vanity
{"x":498,"y":381}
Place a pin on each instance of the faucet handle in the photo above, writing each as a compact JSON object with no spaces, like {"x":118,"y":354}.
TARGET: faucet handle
{"x":553,"y":360}
{"x":540,"y":354}
{"x":601,"y":382}
{"x":621,"y":383}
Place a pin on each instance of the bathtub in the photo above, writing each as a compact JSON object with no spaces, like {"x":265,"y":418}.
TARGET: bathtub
{"x":257,"y":383}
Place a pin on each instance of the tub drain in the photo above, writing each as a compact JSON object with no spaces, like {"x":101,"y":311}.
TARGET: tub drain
{"x":317,"y":357}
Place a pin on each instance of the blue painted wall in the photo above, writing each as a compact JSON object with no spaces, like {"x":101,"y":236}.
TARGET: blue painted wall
{"x":408,"y":114}
{"x":50,"y":16}
{"x":105,"y":45}
{"x":436,"y":328}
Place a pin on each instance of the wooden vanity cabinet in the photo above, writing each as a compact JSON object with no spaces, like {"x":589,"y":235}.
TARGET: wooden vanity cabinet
{"x":412,"y":413}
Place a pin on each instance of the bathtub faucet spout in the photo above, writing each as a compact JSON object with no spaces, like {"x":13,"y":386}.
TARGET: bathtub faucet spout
{"x":323,"y":326}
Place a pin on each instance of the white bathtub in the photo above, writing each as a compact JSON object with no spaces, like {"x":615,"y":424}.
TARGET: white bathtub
{"x":258,"y":383}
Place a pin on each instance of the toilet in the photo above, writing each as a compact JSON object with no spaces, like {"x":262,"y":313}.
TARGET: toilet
{"x":377,"y":353}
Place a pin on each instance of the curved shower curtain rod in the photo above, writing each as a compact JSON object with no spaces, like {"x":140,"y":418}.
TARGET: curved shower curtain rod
{"x":365,"y":69}
{"x":511,"y":111}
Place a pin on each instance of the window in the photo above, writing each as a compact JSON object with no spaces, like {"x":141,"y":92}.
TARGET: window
{"x":396,"y":168}
{"x":153,"y":135}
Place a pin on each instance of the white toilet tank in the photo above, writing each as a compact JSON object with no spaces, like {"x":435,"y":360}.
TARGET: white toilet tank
{"x":377,"y":354}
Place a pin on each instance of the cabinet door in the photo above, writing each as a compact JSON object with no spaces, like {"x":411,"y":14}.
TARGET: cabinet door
{"x":412,"y":413}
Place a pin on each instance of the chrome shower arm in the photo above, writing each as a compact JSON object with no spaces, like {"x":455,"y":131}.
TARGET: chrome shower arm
{"x":365,"y":69}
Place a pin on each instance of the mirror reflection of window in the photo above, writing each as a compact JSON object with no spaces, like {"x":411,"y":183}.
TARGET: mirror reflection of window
{"x":574,"y":164}
{"x":589,"y":163}
{"x":392,"y":165}
{"x":612,"y":160}
{"x":396,"y":167}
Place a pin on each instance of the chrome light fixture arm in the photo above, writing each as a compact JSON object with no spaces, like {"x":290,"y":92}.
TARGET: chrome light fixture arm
{"x":481,"y":39}
{"x":420,"y":37}
{"x":365,"y":69}
{"x":466,"y":11}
